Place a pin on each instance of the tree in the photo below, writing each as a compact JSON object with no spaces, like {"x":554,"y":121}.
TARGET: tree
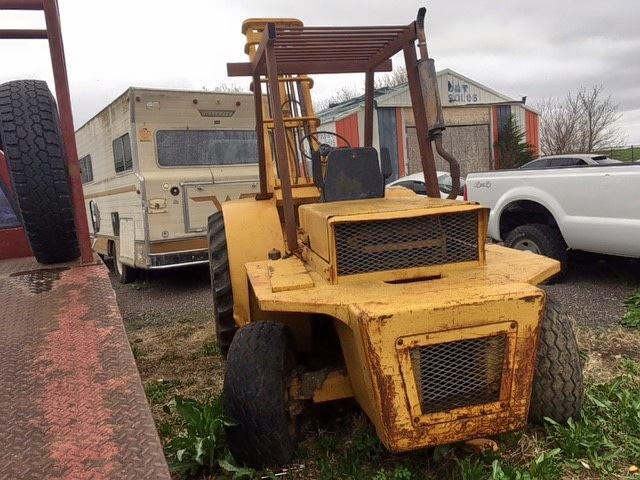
{"x":583,"y":121}
{"x":512,"y":148}
{"x":393,"y":79}
{"x":342,"y":95}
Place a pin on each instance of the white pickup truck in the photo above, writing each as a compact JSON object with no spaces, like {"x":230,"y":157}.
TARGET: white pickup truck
{"x":552,"y":210}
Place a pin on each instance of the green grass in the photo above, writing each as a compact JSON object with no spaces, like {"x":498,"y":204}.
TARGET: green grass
{"x":632,"y":316}
{"x":602,"y":443}
{"x":210,"y":349}
{"x":625,"y":154}
{"x":157,"y":390}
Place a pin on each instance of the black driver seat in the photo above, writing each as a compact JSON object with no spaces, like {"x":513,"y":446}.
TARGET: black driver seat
{"x":352,"y":174}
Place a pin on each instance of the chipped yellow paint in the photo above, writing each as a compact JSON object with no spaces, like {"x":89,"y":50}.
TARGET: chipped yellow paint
{"x":318,"y":221}
{"x":464,"y":303}
{"x":288,"y":274}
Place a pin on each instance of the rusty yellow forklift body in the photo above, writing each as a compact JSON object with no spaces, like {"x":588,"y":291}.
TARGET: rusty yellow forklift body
{"x":437,"y":330}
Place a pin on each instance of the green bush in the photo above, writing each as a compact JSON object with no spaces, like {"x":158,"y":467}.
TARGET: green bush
{"x":201,"y":444}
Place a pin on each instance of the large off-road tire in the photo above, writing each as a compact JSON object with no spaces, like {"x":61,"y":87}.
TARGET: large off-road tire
{"x":557,"y":383}
{"x":260,"y":362}
{"x":225,"y":325}
{"x":541,"y":239}
{"x":125,"y":273}
{"x":31,"y":140}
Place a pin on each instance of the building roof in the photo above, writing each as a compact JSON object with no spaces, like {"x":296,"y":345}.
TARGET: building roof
{"x":386,"y":96}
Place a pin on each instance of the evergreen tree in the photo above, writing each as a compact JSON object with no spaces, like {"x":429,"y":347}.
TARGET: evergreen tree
{"x":511,"y":147}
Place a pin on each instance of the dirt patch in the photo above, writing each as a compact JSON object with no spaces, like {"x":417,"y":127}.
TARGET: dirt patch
{"x":604,"y":348}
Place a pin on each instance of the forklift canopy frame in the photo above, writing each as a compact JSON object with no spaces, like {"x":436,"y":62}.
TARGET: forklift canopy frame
{"x":333,"y":50}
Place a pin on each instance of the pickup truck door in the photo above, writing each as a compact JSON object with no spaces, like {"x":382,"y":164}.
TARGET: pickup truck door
{"x":602,"y":209}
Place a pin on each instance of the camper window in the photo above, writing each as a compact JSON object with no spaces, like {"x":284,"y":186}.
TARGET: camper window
{"x":86,"y":169}
{"x":122,"y":153}
{"x":179,"y":148}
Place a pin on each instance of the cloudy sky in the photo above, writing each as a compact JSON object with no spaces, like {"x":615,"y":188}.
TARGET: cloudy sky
{"x":535,"y":48}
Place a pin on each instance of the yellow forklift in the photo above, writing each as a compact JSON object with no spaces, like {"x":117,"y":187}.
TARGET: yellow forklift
{"x":329,"y":286}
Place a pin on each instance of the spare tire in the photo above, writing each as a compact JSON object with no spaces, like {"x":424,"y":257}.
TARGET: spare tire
{"x":31,"y":140}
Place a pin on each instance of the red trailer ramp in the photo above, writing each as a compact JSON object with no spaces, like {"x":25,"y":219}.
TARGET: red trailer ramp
{"x":72,"y":402}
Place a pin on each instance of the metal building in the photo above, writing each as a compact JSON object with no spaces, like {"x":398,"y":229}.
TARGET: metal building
{"x":474,"y":113}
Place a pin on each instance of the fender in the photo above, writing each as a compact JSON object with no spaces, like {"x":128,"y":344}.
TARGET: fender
{"x":532,"y":194}
{"x":252,"y":229}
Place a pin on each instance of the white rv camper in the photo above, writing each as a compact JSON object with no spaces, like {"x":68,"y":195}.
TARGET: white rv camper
{"x":155,"y":164}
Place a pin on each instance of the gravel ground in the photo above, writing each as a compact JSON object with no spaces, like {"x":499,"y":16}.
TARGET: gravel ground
{"x":593,"y":291}
{"x":167,"y":293}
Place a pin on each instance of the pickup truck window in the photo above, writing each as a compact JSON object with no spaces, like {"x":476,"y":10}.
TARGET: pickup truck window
{"x":604,"y":160}
{"x":535,"y":164}
{"x":566,"y":162}
{"x":180,"y":148}
{"x":414,"y":185}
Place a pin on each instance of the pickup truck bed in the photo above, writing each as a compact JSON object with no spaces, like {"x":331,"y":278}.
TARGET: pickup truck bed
{"x":589,"y":208}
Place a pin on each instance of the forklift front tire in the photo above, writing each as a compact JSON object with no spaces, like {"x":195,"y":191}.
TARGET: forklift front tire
{"x":557,"y":383}
{"x":261,"y":360}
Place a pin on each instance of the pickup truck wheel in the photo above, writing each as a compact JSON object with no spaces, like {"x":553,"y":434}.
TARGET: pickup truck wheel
{"x":557,"y":383}
{"x":224,"y":323}
{"x":541,"y":239}
{"x":260,"y":364}
{"x":32,"y":144}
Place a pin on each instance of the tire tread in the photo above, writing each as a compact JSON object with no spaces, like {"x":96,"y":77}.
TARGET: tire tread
{"x":32,"y":143}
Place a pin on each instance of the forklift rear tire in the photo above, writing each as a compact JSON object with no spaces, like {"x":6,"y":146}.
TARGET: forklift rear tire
{"x":32,"y":143}
{"x":557,"y":383}
{"x":225,"y":325}
{"x":255,"y":395}
{"x":125,"y":273}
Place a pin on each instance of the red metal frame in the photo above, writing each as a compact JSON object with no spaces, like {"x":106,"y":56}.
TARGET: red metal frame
{"x":13,"y":241}
{"x":53,"y":34}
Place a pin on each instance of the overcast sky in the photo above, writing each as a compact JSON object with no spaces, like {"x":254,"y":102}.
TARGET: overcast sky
{"x":535,"y":48}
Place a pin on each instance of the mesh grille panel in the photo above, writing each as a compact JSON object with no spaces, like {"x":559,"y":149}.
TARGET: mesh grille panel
{"x":459,"y":374}
{"x":407,"y":242}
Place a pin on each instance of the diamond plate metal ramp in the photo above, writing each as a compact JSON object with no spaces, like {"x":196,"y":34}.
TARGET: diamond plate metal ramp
{"x":72,"y":404}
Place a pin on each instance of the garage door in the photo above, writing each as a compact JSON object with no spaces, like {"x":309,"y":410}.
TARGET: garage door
{"x":469,"y":144}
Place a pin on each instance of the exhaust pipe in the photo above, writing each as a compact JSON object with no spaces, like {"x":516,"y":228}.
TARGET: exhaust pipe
{"x":431,"y":97}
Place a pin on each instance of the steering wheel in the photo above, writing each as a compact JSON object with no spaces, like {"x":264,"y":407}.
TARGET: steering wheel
{"x":323,"y":148}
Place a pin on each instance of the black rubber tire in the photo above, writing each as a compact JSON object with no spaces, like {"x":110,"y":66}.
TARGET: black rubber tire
{"x":260,"y":362}
{"x":125,"y":273}
{"x":548,"y":239}
{"x":558,"y":389}
{"x":32,"y":143}
{"x":224,"y":323}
